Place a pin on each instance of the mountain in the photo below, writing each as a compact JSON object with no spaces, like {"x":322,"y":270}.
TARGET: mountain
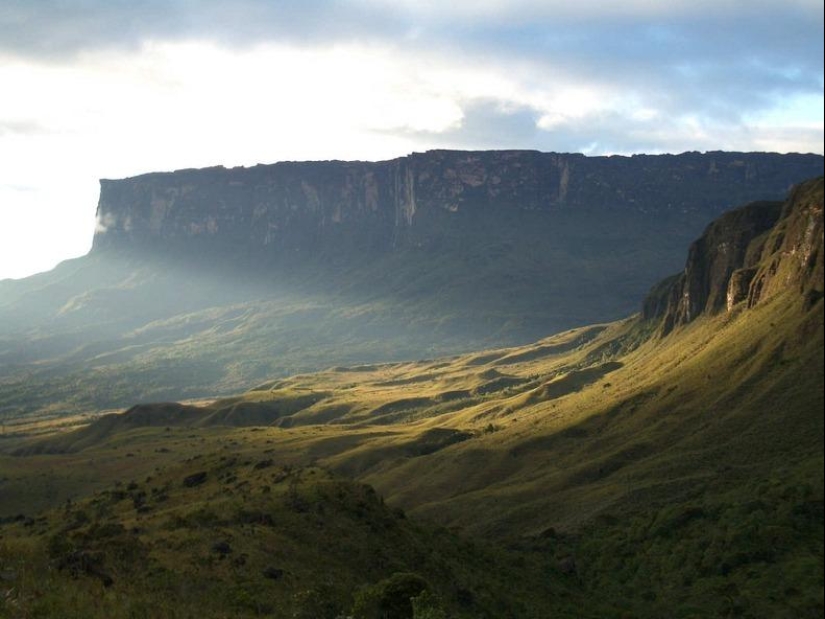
{"x":747,"y":255}
{"x":204,"y":282}
{"x":668,"y":464}
{"x":335,"y":209}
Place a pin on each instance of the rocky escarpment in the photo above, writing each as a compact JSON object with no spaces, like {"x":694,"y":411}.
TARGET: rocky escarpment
{"x":792,"y":255}
{"x":746,"y":256}
{"x":318,"y":208}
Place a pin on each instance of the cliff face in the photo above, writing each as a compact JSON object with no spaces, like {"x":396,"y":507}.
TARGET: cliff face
{"x":321,"y":207}
{"x":792,"y":255}
{"x":747,"y":255}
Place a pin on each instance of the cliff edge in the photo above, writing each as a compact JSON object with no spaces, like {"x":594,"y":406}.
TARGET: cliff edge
{"x":747,"y":256}
{"x":360,"y":208}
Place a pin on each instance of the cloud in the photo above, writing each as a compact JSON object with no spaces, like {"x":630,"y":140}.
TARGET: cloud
{"x":485,"y":124}
{"x":104,"y":222}
{"x":489,"y":73}
{"x":55,"y":29}
{"x":722,"y":59}
{"x":628,"y":29}
{"x":10,"y":127}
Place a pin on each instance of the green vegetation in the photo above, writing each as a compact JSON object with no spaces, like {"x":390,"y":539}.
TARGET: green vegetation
{"x":223,"y":535}
{"x":685,"y":481}
{"x":755,"y":551}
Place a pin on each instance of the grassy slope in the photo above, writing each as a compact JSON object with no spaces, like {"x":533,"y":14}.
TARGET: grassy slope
{"x":683,"y":474}
{"x":548,"y":421}
{"x":736,"y":394}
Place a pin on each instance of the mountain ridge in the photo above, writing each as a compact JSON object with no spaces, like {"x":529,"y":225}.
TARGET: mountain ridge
{"x":779,"y":241}
{"x":306,"y":207}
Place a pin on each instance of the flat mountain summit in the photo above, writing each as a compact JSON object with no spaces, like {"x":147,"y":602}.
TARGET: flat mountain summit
{"x":345,"y":210}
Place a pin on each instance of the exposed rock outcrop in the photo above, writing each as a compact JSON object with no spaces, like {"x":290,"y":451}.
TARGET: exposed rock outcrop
{"x":360,"y":207}
{"x":792,"y":255}
{"x":747,"y":255}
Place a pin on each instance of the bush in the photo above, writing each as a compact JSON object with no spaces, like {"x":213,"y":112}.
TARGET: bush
{"x":322,"y":602}
{"x":391,"y":598}
{"x":428,"y":606}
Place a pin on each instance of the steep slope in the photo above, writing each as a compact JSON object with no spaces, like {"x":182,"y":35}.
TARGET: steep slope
{"x":755,"y":364}
{"x":753,"y":253}
{"x":708,"y":283}
{"x":204,"y":282}
{"x":792,"y":255}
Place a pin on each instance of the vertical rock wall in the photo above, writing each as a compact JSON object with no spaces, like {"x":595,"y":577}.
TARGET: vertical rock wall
{"x":315,"y":207}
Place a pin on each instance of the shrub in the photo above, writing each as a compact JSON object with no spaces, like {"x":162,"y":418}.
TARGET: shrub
{"x":391,"y":598}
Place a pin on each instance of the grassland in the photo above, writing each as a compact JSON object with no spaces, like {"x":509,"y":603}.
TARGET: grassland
{"x":600,"y":472}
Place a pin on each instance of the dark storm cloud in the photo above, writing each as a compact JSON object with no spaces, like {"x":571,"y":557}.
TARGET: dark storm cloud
{"x":788,"y":33}
{"x":761,"y":47}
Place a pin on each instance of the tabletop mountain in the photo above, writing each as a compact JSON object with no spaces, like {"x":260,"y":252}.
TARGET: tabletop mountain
{"x":202,"y":282}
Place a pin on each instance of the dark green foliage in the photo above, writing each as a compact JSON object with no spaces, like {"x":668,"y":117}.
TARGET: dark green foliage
{"x":101,"y":549}
{"x":196,"y":479}
{"x":321,"y":602}
{"x":391,"y":598}
{"x":317,"y":546}
{"x":426,"y":605}
{"x":754,"y":552}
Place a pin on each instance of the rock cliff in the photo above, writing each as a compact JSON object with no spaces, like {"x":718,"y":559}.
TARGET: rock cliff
{"x":747,"y":256}
{"x":318,"y":208}
{"x":792,"y":255}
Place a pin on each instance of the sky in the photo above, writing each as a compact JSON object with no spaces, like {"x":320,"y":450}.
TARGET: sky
{"x":93,"y":89}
